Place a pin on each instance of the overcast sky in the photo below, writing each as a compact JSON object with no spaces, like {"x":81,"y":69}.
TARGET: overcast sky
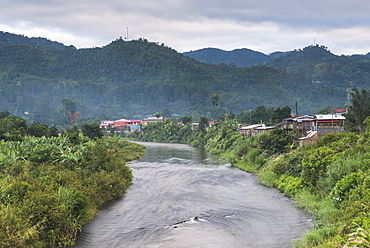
{"x":261,"y":25}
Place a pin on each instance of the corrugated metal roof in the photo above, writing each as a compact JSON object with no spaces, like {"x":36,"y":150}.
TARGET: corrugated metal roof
{"x":251,"y":126}
{"x":309,"y":135}
{"x":330,"y":117}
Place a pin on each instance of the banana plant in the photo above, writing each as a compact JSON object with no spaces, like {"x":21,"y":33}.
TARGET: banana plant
{"x":361,"y":237}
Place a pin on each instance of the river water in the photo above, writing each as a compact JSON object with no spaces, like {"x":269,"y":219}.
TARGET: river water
{"x":174,"y":183}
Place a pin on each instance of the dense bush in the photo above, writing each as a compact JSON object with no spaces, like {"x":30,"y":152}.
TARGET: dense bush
{"x":330,"y":179}
{"x":50,"y":187}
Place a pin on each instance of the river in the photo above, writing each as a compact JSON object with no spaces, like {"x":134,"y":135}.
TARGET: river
{"x":181,"y":197}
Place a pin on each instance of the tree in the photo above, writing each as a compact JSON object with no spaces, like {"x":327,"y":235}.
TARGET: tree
{"x":215,"y":100}
{"x":93,"y":131}
{"x":203,"y":123}
{"x":73,"y":117}
{"x":69,"y":110}
{"x":279,"y":141}
{"x":360,"y":107}
{"x":166,"y":112}
{"x":325,"y":110}
{"x":53,"y":132}
{"x":12,"y":128}
{"x":243,"y":117}
{"x":261,"y":114}
{"x":68,"y":105}
{"x":38,"y":130}
{"x":186,"y":119}
{"x":4,"y":114}
{"x":281,"y":113}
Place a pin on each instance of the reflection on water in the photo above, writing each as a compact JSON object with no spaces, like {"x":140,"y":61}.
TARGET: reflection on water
{"x":172,"y":185}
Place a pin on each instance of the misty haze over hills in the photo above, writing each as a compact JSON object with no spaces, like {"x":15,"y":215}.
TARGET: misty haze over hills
{"x":140,"y":78}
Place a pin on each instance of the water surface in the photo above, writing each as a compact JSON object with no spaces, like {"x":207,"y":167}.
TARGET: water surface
{"x":172,"y":185}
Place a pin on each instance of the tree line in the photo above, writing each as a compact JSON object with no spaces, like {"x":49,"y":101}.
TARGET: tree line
{"x":126,"y":78}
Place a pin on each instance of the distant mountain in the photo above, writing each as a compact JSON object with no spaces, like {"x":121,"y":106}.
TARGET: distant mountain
{"x":303,"y":59}
{"x":139,"y":77}
{"x":238,"y":57}
{"x":319,"y":65}
{"x":8,"y":38}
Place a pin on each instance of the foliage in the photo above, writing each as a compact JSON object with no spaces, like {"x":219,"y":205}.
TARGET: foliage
{"x":314,"y":164}
{"x":50,"y":187}
{"x":12,"y":128}
{"x":186,"y":119}
{"x":93,"y":130}
{"x":279,"y":141}
{"x":330,"y":180}
{"x":165,"y":131}
{"x":360,"y":107}
{"x":138,"y":77}
{"x":344,"y":186}
{"x":361,"y":237}
{"x":261,"y":114}
{"x":289,"y":185}
{"x":39,"y":130}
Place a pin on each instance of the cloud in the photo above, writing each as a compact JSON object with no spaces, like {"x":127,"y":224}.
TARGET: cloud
{"x":263,"y":25}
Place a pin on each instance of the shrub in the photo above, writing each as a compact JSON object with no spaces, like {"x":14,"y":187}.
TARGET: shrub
{"x":267,"y":177}
{"x":343,"y":187}
{"x":289,"y":185}
{"x":315,"y":163}
{"x":195,"y":143}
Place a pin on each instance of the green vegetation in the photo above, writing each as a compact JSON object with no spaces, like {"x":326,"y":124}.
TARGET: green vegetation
{"x":51,"y":185}
{"x":138,"y":77}
{"x":330,"y":178}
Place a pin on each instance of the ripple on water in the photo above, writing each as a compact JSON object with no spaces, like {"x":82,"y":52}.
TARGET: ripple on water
{"x":174,"y":183}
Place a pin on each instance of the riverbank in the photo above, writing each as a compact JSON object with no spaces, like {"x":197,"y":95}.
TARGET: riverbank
{"x":329,"y":178}
{"x":51,"y":187}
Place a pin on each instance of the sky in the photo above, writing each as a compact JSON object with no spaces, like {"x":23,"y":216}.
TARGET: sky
{"x":186,"y":25}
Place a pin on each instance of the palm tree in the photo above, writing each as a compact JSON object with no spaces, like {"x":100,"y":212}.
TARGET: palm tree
{"x":215,"y":100}
{"x":360,"y":107}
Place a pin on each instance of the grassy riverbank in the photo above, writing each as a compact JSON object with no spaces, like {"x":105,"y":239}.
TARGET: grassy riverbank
{"x":330,"y":179}
{"x":51,"y":187}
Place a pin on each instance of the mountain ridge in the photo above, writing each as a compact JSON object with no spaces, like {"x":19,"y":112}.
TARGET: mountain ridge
{"x":139,"y":77}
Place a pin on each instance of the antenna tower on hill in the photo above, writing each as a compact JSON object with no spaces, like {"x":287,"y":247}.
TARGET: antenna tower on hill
{"x":127,"y":34}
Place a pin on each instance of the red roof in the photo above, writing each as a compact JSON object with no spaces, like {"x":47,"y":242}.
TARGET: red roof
{"x":340,"y":110}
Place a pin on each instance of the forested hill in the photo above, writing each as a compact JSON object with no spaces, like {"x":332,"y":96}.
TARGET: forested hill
{"x":320,"y":65}
{"x":138,"y":77}
{"x":8,"y":38}
{"x":316,"y":63}
{"x":238,"y":57}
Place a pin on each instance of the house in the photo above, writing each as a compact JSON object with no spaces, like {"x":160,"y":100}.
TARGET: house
{"x":124,"y":124}
{"x":151,"y":119}
{"x":106,"y":124}
{"x":264,"y":129}
{"x":304,"y":123}
{"x":287,"y":123}
{"x":253,"y":130}
{"x":193,"y":126}
{"x":135,"y":128}
{"x":331,"y":123}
